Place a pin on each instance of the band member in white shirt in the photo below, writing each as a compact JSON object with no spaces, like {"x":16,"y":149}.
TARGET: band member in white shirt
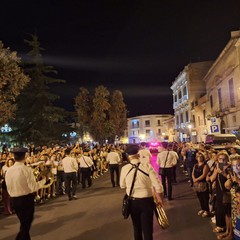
{"x":70,"y":167}
{"x":144,"y":153}
{"x":167,"y":159}
{"x":113,"y":160}
{"x":86,"y":163}
{"x":21,"y":184}
{"x":142,"y":203}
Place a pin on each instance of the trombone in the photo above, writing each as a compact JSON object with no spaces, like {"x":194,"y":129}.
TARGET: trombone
{"x":160,"y":213}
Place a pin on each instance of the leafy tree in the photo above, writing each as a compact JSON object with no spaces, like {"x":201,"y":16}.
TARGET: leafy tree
{"x":12,"y":81}
{"x":38,"y":120}
{"x":100,"y":127}
{"x":118,"y":113}
{"x":83,"y":107}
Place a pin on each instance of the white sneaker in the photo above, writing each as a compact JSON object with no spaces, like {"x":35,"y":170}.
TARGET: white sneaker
{"x":213,"y":219}
{"x":200,"y":212}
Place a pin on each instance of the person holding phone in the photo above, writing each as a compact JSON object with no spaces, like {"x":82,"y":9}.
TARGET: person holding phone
{"x":233,"y":184}
{"x":223,"y":197}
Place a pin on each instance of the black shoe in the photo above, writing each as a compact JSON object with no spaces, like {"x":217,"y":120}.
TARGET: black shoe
{"x":70,"y":199}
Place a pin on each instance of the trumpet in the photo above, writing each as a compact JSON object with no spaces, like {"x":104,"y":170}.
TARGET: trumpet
{"x":160,"y":214}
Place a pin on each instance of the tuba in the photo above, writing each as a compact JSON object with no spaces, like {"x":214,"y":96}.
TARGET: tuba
{"x":160,"y":214}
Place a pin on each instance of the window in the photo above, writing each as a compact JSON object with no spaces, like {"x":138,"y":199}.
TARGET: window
{"x":231,"y":93}
{"x":179,"y":94}
{"x":211,"y":101}
{"x":194,"y":120}
{"x":148,"y":132}
{"x":181,"y":118}
{"x":204,"y":117}
{"x":184,"y":91}
{"x":177,"y":120}
{"x":220,"y":98}
{"x":234,"y":119}
{"x":135,"y":124}
{"x":159,"y":131}
{"x":158,"y":122}
{"x":147,"y":123}
{"x":187,"y":117}
{"x":175,"y":98}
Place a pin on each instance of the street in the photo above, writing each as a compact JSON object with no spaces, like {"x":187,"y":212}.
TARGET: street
{"x":96,"y":215}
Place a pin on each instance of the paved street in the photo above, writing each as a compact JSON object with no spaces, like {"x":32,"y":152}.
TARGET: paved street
{"x":96,"y":215}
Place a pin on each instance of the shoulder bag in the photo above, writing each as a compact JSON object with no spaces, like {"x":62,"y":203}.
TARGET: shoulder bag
{"x":200,"y":186}
{"x":90,"y":168}
{"x":162,"y":171}
{"x":126,"y":206}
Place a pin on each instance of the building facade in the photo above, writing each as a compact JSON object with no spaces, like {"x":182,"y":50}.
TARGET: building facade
{"x":150,"y":128}
{"x":223,"y":89}
{"x":187,"y":88}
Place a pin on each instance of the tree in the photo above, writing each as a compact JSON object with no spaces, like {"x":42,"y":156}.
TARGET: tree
{"x":83,"y":108}
{"x":100,"y":127}
{"x":38,"y":120}
{"x":118,"y":113}
{"x":12,"y":81}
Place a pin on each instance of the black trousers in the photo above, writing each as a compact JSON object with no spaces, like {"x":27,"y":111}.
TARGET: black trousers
{"x":60,"y":180}
{"x":24,"y":209}
{"x":114,"y":168}
{"x":167,"y":187}
{"x":142,"y":218}
{"x":203,"y":198}
{"x":71,"y":183}
{"x":86,"y":177}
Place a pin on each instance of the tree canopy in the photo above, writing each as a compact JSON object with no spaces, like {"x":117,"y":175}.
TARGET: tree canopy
{"x":103,"y":115}
{"x":12,"y":81}
{"x":38,"y":120}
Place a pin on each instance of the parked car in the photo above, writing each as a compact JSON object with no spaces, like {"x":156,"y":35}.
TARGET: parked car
{"x":222,"y":142}
{"x":220,"y":139}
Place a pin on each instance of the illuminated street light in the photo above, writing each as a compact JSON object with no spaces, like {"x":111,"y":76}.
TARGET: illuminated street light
{"x":142,"y":137}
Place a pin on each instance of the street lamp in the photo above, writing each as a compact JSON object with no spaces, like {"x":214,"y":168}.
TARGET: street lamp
{"x":142,"y":137}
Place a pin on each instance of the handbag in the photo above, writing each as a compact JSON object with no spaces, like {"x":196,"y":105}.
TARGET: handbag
{"x":126,"y":206}
{"x":162,"y":171}
{"x":200,"y":187}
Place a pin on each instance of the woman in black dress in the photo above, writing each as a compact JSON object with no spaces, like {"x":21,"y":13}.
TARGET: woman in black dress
{"x":199,"y":175}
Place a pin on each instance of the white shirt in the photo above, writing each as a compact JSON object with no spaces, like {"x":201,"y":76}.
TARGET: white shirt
{"x":143,"y":184}
{"x":145,"y":155}
{"x":171,"y":159}
{"x":21,"y":181}
{"x":87,"y":163}
{"x":113,"y":158}
{"x":69,"y":164}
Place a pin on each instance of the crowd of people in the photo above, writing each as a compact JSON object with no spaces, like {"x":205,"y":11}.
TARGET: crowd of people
{"x":52,"y":162}
{"x":213,"y":175}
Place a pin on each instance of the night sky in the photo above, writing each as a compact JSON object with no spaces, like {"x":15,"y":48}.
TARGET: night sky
{"x":138,"y":47}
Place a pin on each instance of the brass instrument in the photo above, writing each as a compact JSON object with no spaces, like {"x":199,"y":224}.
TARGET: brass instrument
{"x":160,"y":214}
{"x":40,"y":169}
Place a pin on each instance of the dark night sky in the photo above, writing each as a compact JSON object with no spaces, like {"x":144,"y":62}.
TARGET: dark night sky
{"x":138,"y":47}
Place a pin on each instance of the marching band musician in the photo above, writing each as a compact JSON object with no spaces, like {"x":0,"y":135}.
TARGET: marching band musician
{"x":70,"y":167}
{"x":21,"y":184}
{"x":142,"y":202}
